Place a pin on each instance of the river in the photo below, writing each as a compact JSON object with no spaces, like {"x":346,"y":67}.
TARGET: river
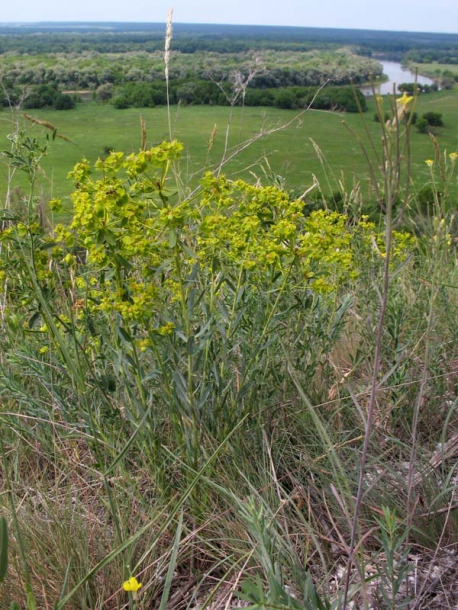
{"x":396,"y":75}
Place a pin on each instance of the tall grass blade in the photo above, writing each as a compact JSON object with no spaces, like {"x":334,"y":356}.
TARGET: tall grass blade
{"x":3,"y":549}
{"x":172,"y":564}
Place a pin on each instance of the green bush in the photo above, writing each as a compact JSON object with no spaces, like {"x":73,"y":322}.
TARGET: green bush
{"x":422,"y":125}
{"x":433,"y":118}
{"x":121,"y":102}
{"x":63,"y":101}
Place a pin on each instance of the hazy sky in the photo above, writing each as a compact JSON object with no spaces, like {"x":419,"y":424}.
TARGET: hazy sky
{"x":411,"y":15}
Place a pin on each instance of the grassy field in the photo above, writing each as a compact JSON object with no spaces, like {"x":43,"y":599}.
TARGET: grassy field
{"x":435,"y":68}
{"x":290,"y":151}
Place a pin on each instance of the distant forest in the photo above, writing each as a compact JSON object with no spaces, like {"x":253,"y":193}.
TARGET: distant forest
{"x":188,"y":38}
{"x":49,"y":64}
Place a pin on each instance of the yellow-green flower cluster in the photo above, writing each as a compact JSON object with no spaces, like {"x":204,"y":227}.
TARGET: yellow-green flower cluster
{"x":121,"y":219}
{"x":140,"y":241}
{"x":374,"y":244}
{"x":132,"y":245}
{"x":260,"y":228}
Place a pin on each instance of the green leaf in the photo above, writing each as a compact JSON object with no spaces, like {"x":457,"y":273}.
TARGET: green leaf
{"x":31,"y":601}
{"x":172,"y":236}
{"x":168,"y":192}
{"x":3,"y":549}
{"x":172,"y":564}
{"x":33,"y":319}
{"x":124,"y":336}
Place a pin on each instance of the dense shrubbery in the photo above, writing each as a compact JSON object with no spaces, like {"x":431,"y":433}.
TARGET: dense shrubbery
{"x":141,"y":95}
{"x":433,"y":118}
{"x":414,"y":88}
{"x":443,"y":54}
{"x":429,"y":120}
{"x":207,"y":92}
{"x":40,"y":96}
{"x":273,"y":69}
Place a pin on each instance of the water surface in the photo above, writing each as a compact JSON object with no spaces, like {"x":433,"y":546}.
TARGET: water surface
{"x":396,"y":75}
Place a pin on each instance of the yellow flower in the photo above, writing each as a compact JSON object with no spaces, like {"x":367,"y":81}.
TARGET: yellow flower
{"x":55,"y":205}
{"x":131,"y":585}
{"x":69,"y":260}
{"x":405,"y":99}
{"x":429,"y":162}
{"x":166,"y":329}
{"x":453,"y":156}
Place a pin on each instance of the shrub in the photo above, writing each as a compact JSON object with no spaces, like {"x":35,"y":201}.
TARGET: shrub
{"x":285,"y":99}
{"x":62,"y":101}
{"x":121,"y":102}
{"x":104,"y":93}
{"x":422,"y":125}
{"x":433,"y":118}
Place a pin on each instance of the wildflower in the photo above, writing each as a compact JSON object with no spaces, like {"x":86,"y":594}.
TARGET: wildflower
{"x":143,"y":344}
{"x":131,"y":585}
{"x":429,"y":162}
{"x":453,"y":156}
{"x":166,"y":329}
{"x":21,"y":229}
{"x":55,"y":205}
{"x":405,"y":99}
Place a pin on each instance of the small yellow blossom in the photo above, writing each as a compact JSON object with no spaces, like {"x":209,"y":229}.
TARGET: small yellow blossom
{"x":453,"y":156}
{"x":69,"y":259}
{"x":143,"y":344}
{"x":55,"y":204}
{"x":166,"y":329}
{"x":405,"y":99}
{"x":131,"y":585}
{"x":429,"y":162}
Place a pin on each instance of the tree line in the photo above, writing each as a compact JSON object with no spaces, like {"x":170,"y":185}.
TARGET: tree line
{"x":191,"y":38}
{"x":191,"y":92}
{"x":141,"y":95}
{"x":271,"y":69}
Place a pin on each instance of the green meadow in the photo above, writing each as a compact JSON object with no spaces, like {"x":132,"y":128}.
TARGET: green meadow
{"x":261,"y":142}
{"x":435,"y":67}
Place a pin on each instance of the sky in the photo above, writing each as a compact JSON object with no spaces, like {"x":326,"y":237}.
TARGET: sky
{"x":400,"y":15}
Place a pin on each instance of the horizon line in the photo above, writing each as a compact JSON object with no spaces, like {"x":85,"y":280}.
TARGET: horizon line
{"x":197,"y":23}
